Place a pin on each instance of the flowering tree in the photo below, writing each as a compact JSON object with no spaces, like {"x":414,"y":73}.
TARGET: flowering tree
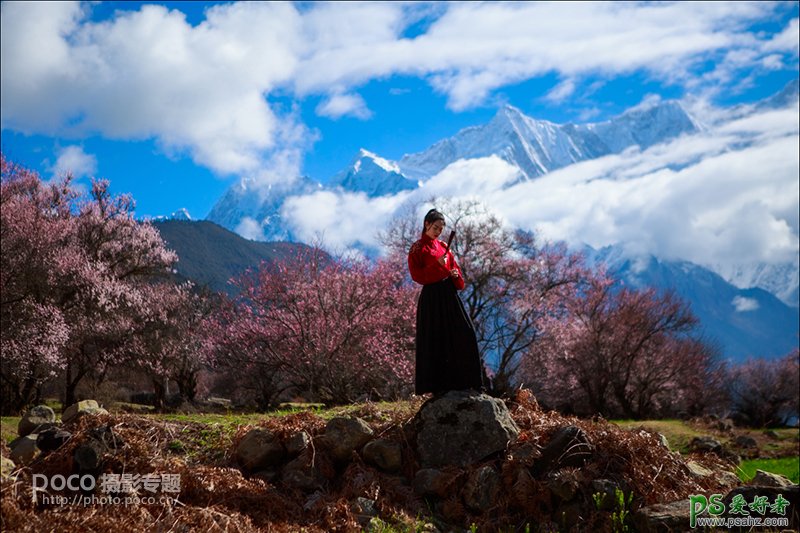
{"x":75,"y":281}
{"x":331,"y":330}
{"x":621,"y":352}
{"x":170,"y":341}
{"x":764,"y":392}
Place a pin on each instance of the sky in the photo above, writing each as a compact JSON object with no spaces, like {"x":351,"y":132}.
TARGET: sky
{"x":174,"y":102}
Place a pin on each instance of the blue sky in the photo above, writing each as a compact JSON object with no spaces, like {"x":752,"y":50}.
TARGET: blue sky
{"x":175,"y":101}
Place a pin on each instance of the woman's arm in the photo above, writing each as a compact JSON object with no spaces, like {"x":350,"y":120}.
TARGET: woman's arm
{"x":455,"y":272}
{"x":424,"y":267}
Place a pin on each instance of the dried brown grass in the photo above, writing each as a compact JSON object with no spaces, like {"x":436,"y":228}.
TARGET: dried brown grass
{"x":216,"y":496}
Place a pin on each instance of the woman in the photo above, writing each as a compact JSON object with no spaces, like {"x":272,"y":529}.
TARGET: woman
{"x":447,"y":349}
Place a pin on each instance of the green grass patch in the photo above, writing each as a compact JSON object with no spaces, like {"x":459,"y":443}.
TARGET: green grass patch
{"x":8,"y":427}
{"x":785,"y":466}
{"x":678,"y":433}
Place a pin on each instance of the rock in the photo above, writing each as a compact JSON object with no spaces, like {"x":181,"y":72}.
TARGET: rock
{"x":525,"y":453}
{"x":432,"y":482}
{"x":38,"y":418}
{"x":344,"y":435}
{"x":705,"y":444}
{"x":569,"y":446}
{"x":106,"y":437}
{"x":384,"y":454}
{"x":750,"y":492}
{"x":88,"y":457}
{"x":214,"y":401}
{"x":725,"y":424}
{"x":662,"y":517}
{"x":24,"y":450}
{"x":364,"y":510}
{"x":771,"y":433}
{"x":563,"y":483}
{"x":297,"y":443}
{"x":745,"y":441}
{"x":481,"y":489}
{"x":727,"y":478}
{"x":52,"y":439}
{"x":708,"y":444}
{"x":663,"y":441}
{"x":82,"y":408}
{"x":768,"y":479}
{"x":260,"y":449}
{"x":461,"y":428}
{"x":301,"y":474}
{"x":270,"y":476}
{"x":6,"y":467}
{"x":698,"y":470}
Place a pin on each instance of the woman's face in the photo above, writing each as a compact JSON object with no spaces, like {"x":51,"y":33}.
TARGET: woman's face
{"x":434,"y":229}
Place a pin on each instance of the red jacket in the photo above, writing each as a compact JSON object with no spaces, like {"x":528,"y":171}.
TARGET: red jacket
{"x":423,"y":263}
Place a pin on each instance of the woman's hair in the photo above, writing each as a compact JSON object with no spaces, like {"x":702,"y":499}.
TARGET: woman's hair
{"x":432,"y":216}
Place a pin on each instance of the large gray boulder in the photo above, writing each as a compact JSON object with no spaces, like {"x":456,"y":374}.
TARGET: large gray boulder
{"x":344,"y":435}
{"x":36,"y":419}
{"x":482,"y":488}
{"x":82,"y":408}
{"x":384,"y":454}
{"x":24,"y":450}
{"x":461,"y":428}
{"x":662,"y":517}
{"x":768,"y":479}
{"x":259,"y":449}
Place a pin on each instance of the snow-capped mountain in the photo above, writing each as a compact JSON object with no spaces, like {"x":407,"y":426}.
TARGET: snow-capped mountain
{"x":745,"y":322}
{"x":180,"y":214}
{"x":254,"y":211}
{"x":372,"y":175}
{"x":538,"y":146}
{"x":535,"y":147}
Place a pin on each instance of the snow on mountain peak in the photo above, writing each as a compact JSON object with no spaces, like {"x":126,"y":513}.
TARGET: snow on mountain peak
{"x":385,"y":164}
{"x":181,"y":214}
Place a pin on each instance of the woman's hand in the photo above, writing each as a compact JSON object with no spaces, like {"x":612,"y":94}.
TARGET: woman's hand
{"x":443,"y":260}
{"x":454,"y":273}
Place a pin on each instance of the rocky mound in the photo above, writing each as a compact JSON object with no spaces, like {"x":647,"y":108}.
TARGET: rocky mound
{"x":453,"y":463}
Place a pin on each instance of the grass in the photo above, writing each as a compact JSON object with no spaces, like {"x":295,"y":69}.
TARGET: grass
{"x":677,"y":432}
{"x":788,"y":467}
{"x":209,"y":436}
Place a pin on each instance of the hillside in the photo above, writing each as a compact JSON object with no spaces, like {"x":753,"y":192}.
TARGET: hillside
{"x":211,"y":255}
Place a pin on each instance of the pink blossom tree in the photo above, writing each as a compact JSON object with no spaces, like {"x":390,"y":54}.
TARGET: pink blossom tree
{"x":765,"y":392}
{"x":329,"y":330}
{"x":620,"y":352}
{"x":76,"y":279}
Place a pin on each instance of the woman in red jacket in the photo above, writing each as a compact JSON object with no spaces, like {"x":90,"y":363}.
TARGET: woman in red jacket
{"x":447,"y":349}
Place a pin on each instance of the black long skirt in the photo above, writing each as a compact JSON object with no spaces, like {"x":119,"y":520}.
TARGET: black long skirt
{"x":447,"y":349}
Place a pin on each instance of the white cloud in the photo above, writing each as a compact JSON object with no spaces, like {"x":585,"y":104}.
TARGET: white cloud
{"x":561,"y":92}
{"x":724,"y":197}
{"x":743,"y":304}
{"x":342,"y":221}
{"x":250,"y":228}
{"x":785,"y":40}
{"x":695,"y":198}
{"x":73,"y":160}
{"x":339,"y":105}
{"x":149,"y":74}
{"x":201,"y":90}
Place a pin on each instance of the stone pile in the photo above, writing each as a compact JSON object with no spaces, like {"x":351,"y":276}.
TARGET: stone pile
{"x":41,"y":432}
